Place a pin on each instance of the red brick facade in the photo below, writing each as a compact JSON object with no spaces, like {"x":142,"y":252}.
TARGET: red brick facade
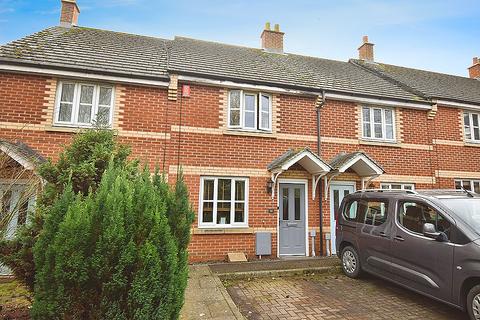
{"x":429,"y":153}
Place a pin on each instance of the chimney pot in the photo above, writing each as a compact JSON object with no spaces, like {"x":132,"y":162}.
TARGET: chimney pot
{"x":272,"y":40}
{"x":365,"y":51}
{"x":474,"y":70}
{"x":69,"y":13}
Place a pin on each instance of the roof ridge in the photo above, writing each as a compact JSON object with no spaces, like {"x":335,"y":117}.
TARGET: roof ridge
{"x":118,"y":32}
{"x":383,"y":75}
{"x":259,"y":49}
{"x":423,"y":70}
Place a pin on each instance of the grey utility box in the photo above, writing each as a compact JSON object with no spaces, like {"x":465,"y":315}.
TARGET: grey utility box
{"x":263,"y":243}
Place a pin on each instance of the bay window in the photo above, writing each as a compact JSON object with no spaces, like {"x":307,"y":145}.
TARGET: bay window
{"x":223,"y":202}
{"x":82,"y":105}
{"x":378,"y":123}
{"x":471,"y":124}
{"x":249,"y":110}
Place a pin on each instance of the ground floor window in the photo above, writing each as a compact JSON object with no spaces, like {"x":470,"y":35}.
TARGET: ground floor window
{"x":470,"y":185}
{"x":397,"y":186}
{"x":223,"y":202}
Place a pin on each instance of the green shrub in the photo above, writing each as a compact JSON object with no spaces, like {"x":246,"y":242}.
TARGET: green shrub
{"x":118,"y":252}
{"x":80,"y":165}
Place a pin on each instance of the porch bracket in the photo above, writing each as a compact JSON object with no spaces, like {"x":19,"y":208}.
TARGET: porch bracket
{"x":328,"y":182}
{"x":365,"y":185}
{"x":274,"y":180}
{"x":315,"y":181}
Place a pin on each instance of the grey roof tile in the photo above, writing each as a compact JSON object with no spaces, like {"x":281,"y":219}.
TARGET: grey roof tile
{"x":290,"y":154}
{"x":342,"y":158}
{"x":430,"y":84}
{"x":23,"y":150}
{"x":211,"y":59}
{"x":87,"y":49}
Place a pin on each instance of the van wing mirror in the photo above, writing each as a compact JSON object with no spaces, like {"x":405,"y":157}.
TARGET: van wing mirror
{"x":430,"y":231}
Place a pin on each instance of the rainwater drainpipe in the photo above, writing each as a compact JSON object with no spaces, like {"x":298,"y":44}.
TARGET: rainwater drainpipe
{"x":319,"y":106}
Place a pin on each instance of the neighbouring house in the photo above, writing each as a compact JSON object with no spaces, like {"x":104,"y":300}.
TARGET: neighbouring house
{"x":269,"y":142}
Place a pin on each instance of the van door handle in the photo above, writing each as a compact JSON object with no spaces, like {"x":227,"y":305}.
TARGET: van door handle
{"x":383,"y":235}
{"x":399,"y":238}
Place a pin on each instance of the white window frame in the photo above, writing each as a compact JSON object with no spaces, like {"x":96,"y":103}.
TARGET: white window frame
{"x":388,"y":185}
{"x":214,"y":224}
{"x":471,"y":126}
{"x":383,"y":123}
{"x":472,"y":182}
{"x":16,"y":190}
{"x":258,"y":112}
{"x":76,"y":104}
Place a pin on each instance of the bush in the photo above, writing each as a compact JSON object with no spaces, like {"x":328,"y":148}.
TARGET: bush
{"x":80,"y":165}
{"x":115,"y":253}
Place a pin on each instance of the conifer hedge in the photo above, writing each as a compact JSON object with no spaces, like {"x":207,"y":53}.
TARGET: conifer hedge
{"x":117,"y":253}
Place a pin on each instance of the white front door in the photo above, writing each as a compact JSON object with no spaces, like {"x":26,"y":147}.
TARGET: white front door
{"x":338,"y":190}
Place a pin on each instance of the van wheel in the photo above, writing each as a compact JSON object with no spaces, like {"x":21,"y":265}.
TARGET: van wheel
{"x":351,"y":262}
{"x":473,"y":303}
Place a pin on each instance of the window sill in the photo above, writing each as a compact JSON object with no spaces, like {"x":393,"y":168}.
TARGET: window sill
{"x":220,"y":230}
{"x":67,"y":128}
{"x":384,"y":143}
{"x":472,"y":144}
{"x":251,"y":133}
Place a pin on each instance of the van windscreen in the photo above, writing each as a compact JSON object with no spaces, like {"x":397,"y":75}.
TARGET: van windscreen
{"x":466,"y":209}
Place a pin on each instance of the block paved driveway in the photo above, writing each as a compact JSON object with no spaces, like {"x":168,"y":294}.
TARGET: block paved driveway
{"x":333,"y":297}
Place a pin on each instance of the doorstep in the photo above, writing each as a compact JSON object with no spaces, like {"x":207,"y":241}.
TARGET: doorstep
{"x":271,"y":267}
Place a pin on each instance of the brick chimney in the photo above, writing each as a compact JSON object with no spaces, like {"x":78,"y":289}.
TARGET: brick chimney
{"x":69,"y":13}
{"x":365,"y":51}
{"x":272,"y":40}
{"x":474,"y":70}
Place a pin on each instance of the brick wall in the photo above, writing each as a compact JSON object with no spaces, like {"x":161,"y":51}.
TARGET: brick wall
{"x":150,"y":123}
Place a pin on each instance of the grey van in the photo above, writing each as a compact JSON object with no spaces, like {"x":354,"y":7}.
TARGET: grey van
{"x":427,"y":241}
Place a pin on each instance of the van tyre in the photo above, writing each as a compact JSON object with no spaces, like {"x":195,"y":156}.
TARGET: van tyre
{"x":473,"y":303}
{"x":351,"y":262}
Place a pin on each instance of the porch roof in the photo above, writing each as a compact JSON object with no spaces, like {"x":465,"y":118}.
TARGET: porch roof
{"x":359,"y":161}
{"x":303,"y":156}
{"x":21,"y":153}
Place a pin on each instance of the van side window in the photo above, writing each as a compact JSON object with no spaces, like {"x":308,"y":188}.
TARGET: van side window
{"x":414,"y":215}
{"x":375,"y":212}
{"x":350,"y":212}
{"x":368,"y":212}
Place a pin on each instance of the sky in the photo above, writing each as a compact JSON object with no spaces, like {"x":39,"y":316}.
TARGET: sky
{"x":435,"y":35}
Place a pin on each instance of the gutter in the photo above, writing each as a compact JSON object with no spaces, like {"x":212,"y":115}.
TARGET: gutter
{"x":84,"y":74}
{"x":331,"y":94}
{"x":457,"y":104}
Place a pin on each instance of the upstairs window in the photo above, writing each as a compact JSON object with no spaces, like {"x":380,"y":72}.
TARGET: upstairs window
{"x":471,"y":122}
{"x":378,"y":123}
{"x":82,"y":105}
{"x":249,"y":110}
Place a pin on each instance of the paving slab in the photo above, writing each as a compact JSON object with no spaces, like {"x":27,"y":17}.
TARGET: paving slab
{"x":207,"y":298}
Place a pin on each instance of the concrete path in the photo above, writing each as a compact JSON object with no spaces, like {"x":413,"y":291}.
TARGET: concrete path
{"x":207,"y":298}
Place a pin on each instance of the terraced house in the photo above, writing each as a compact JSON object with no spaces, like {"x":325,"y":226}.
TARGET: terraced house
{"x":269,"y":141}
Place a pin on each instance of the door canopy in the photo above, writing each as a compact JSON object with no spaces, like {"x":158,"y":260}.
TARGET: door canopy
{"x":310,"y":161}
{"x":21,"y":153}
{"x":359,"y":162}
